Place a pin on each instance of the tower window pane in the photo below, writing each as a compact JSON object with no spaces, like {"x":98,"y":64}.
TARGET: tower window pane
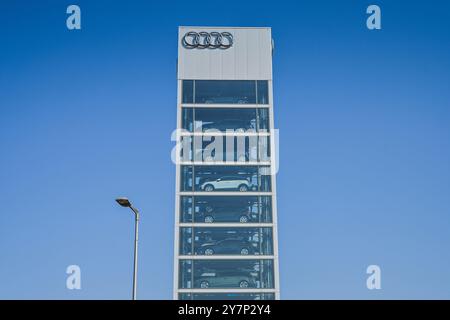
{"x":225,"y":91}
{"x":226,"y":209}
{"x":226,"y":241}
{"x":204,"y":274}
{"x":188,"y":91}
{"x":263,"y":91}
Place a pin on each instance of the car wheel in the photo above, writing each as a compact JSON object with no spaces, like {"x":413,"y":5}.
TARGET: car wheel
{"x":244,"y":251}
{"x":243,"y":219}
{"x":243,"y":188}
{"x":209,"y":252}
{"x":204,"y":284}
{"x":243,"y":284}
{"x":209,"y":219}
{"x":209,"y":188}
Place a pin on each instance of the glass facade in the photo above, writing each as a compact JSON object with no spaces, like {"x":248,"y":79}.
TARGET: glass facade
{"x":225,"y":91}
{"x":226,"y":241}
{"x":225,"y":119}
{"x":225,"y":148}
{"x":225,"y":237}
{"x":217,"y":178}
{"x":226,"y":274}
{"x":225,"y":209}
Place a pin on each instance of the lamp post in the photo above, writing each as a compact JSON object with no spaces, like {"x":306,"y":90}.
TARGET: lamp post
{"x":124,"y":202}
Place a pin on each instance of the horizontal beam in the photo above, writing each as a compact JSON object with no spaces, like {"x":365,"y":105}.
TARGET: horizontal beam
{"x":225,"y":257}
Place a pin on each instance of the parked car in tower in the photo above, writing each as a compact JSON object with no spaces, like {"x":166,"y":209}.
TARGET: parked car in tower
{"x":226,"y":183}
{"x":226,"y":246}
{"x":209,"y":214}
{"x":211,"y":280}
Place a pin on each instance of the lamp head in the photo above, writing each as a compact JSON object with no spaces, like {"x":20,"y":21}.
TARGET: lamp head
{"x":124,"y":202}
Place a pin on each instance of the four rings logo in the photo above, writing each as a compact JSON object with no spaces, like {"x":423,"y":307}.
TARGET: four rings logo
{"x":210,"y":40}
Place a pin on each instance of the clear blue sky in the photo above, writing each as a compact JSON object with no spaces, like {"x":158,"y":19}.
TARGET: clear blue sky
{"x":364,"y":119}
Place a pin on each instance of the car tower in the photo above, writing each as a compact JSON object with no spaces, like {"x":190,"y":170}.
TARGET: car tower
{"x":225,"y":209}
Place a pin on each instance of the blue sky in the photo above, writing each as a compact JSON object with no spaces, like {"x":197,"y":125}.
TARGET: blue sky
{"x":364,"y":144}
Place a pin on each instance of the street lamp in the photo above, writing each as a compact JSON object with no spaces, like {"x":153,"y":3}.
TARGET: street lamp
{"x":124,"y":202}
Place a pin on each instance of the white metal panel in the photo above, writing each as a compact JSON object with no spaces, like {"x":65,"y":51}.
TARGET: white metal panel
{"x":248,"y":59}
{"x":228,"y":63}
{"x":253,"y":55}
{"x":265,"y":49}
{"x":215,"y":63}
{"x":240,"y":67}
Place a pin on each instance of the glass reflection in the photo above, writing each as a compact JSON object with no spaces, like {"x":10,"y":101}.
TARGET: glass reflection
{"x":225,"y":91}
{"x":188,"y":91}
{"x":262,"y":91}
{"x":204,"y":274}
{"x":226,"y":209}
{"x":225,"y":148}
{"x":223,"y":119}
{"x":228,"y":149}
{"x":226,"y":241}
{"x":225,"y":178}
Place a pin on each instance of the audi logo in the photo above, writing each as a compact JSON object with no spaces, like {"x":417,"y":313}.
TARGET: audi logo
{"x":210,"y":40}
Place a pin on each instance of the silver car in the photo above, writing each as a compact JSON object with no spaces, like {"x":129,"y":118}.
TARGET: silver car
{"x":227,"y":183}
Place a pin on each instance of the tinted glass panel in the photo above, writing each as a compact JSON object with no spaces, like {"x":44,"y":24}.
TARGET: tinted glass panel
{"x":225,"y":119}
{"x":188,"y":91}
{"x":187,"y":119}
{"x":243,"y":274}
{"x":186,"y":178}
{"x":226,"y":209}
{"x":225,"y":178}
{"x":263,"y":120}
{"x":225,"y":91}
{"x":227,"y":149}
{"x":226,"y":241}
{"x":263,"y":92}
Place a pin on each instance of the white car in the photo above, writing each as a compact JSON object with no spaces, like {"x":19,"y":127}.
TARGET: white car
{"x":227,"y":183}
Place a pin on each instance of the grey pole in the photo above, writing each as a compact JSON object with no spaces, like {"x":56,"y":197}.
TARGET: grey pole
{"x":124,"y":202}
{"x":136,"y":239}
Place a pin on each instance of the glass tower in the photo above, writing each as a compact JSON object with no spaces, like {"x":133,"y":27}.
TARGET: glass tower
{"x":225,"y":206}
